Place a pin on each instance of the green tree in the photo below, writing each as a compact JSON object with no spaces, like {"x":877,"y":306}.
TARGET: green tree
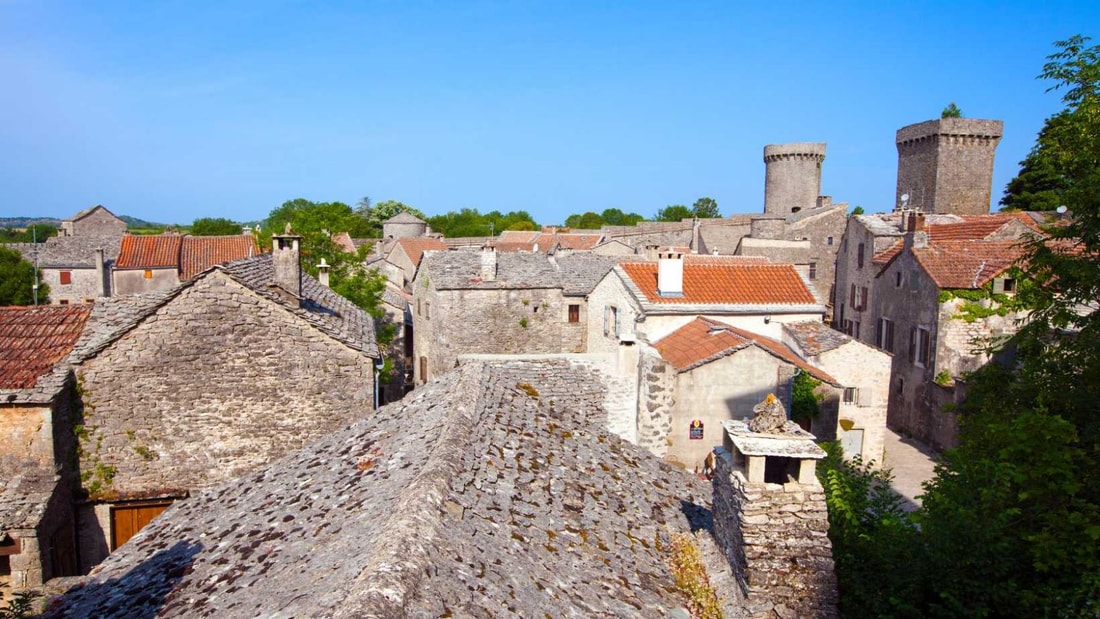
{"x":706,"y":208}
{"x":1039,"y":186}
{"x":951,"y":111}
{"x":804,"y":400}
{"x":616,"y":217}
{"x":674,"y":212}
{"x":214,"y":226}
{"x":17,"y":280}
{"x":1011,"y":523}
{"x":585,"y":221}
{"x":857,"y":210}
{"x":378,"y":213}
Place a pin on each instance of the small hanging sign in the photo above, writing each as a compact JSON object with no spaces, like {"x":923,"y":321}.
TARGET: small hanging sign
{"x":695,"y":431}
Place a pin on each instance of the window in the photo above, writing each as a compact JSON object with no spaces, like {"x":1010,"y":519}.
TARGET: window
{"x":897,"y":279}
{"x":920,"y":341}
{"x":813,"y":269}
{"x":611,"y":321}
{"x":148,"y":273}
{"x":850,"y":395}
{"x":859,"y":256}
{"x":418,"y":312}
{"x":66,"y":277}
{"x":829,"y":241}
{"x":427,"y":311}
{"x":574,"y":313}
{"x":884,"y":336}
{"x":1004,"y":285}
{"x":63,"y":302}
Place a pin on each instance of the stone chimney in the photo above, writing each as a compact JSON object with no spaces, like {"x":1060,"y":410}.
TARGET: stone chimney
{"x":670,"y":274}
{"x":489,"y":264}
{"x":916,"y":231}
{"x":101,"y":273}
{"x":286,"y":255}
{"x":771,"y":521}
{"x":322,"y":273}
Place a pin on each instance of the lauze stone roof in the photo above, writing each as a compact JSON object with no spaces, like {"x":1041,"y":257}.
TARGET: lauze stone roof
{"x":575,"y":274}
{"x":491,"y":491}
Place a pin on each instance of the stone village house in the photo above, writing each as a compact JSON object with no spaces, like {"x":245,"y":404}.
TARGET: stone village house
{"x":467,"y":302}
{"x":147,"y":263}
{"x":201,"y":384}
{"x":37,"y":476}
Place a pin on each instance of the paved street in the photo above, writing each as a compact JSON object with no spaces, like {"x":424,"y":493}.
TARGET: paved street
{"x":912,"y":464}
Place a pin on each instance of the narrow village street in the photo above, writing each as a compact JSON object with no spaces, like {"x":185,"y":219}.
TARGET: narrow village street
{"x":912,"y":464}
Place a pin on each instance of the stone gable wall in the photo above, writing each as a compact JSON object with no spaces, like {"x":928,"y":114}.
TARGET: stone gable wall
{"x":656,"y":401}
{"x":214,"y":384}
{"x":133,"y":281}
{"x":868,"y":370}
{"x":775,"y":537}
{"x":449,"y":323}
{"x":96,"y":223}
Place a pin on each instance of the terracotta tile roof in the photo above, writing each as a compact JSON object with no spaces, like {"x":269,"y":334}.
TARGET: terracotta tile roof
{"x":519,"y":236}
{"x":967,"y":264}
{"x":977,"y":227}
{"x":344,"y":241}
{"x":726,"y":283}
{"x":34,"y":339}
{"x":888,"y":254}
{"x":580,"y":242}
{"x":702,"y":340}
{"x":149,"y":252}
{"x":202,"y":252}
{"x":414,"y":248}
{"x":511,"y":247}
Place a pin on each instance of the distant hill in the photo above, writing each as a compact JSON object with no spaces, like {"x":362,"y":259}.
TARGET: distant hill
{"x":24,"y":222}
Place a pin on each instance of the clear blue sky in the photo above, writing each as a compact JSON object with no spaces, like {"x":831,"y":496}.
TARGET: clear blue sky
{"x":173,"y":110}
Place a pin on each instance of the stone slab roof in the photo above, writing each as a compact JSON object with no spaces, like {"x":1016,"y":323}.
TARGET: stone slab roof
{"x":34,"y":339}
{"x":404,"y":217}
{"x":576,"y":274}
{"x":796,"y":443}
{"x":720,"y":282}
{"x":967,"y":264}
{"x":469,"y":498}
{"x":24,"y":498}
{"x":815,"y":337}
{"x":329,"y":312}
{"x":72,"y":252}
{"x":702,"y":341}
{"x":202,"y":252}
{"x":81,"y":214}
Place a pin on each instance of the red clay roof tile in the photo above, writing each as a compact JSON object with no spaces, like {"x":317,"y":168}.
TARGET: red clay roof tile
{"x":34,"y":339}
{"x":415,"y":247}
{"x":202,"y":252}
{"x":967,"y":264}
{"x":702,"y":341}
{"x":149,"y":252}
{"x":725,"y":282}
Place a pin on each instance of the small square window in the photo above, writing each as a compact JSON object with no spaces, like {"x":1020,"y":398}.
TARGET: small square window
{"x":813,"y":270}
{"x":850,"y":395}
{"x":574,"y":313}
{"x":148,"y":273}
{"x":829,"y":241}
{"x":66,"y":277}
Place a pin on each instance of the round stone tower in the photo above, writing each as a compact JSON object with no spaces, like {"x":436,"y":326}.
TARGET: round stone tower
{"x":792,"y":178}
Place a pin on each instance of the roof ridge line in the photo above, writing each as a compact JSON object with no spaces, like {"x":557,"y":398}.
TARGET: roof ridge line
{"x":401,"y":545}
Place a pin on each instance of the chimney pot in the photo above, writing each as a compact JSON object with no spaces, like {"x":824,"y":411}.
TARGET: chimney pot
{"x":670,"y":274}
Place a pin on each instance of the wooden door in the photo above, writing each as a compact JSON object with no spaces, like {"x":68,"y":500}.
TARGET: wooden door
{"x":127,"y":520}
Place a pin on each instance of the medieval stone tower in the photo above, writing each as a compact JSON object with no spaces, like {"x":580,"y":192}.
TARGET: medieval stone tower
{"x":792,"y":177}
{"x":946,"y":165}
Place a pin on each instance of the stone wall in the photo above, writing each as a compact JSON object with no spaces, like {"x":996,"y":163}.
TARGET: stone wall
{"x":212,"y":385}
{"x":449,"y":323}
{"x":99,"y":222}
{"x":28,"y":439}
{"x":792,"y":177}
{"x":656,"y":401}
{"x":946,"y":165}
{"x":775,"y":536}
{"x":87,"y":284}
{"x":866,"y":368}
{"x":134,"y":281}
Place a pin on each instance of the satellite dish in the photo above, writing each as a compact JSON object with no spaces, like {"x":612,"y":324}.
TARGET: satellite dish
{"x":1061,"y":210}
{"x":904,"y":197}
